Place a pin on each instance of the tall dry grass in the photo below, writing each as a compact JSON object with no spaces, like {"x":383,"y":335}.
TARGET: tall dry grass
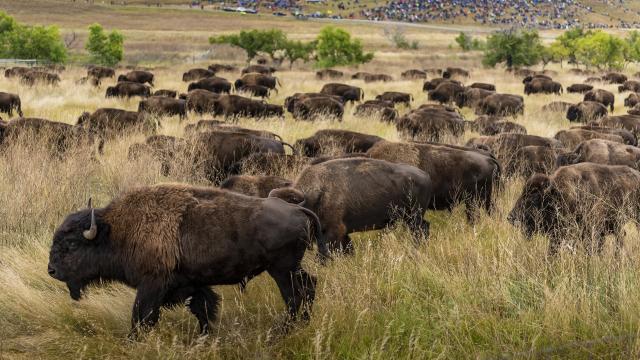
{"x":472,"y":291}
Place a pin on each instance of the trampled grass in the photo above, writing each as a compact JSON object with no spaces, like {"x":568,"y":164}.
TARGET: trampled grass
{"x":471,"y":291}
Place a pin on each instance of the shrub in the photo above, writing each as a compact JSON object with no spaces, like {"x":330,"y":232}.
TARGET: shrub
{"x":30,"y":42}
{"x":105,"y":49}
{"x":335,"y":47}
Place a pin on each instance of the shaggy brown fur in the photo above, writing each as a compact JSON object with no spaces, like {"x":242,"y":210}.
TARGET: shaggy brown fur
{"x":251,"y":185}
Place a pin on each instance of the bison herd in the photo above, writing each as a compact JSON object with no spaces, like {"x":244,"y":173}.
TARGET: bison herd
{"x":167,"y":241}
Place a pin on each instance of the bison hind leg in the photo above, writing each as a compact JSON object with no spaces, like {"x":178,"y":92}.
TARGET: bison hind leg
{"x":297,"y":288}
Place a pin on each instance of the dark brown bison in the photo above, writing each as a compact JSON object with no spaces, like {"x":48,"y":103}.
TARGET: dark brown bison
{"x":16,"y":72}
{"x":234,"y":105}
{"x":614,"y":78}
{"x":586,"y":111}
{"x":471,"y":97}
{"x":214,"y":84}
{"x":501,"y":104}
{"x":290,"y":101}
{"x":542,"y":86}
{"x":571,"y":138}
{"x":396,"y":97}
{"x":255,"y":185}
{"x":256,"y":90}
{"x":575,"y":202}
{"x":260,"y":69}
{"x":163,"y":106}
{"x":445,"y":92}
{"x":530,"y":78}
{"x":318,"y":108}
{"x":9,"y":102}
{"x":359,"y":194}
{"x":632,"y":100}
{"x":430,"y":124}
{"x":483,"y":86}
{"x":268,"y":81}
{"x":201,"y":101}
{"x":32,"y":78}
{"x":629,"y":85}
{"x":346,"y":92}
{"x":56,"y":137}
{"x":433,"y":83}
{"x":558,"y":106}
{"x":377,"y":77}
{"x":175,"y":260}
{"x":137,"y":76}
{"x":329,"y":74}
{"x":459,"y":174}
{"x":579,"y":88}
{"x":216,"y":68}
{"x":128,"y":89}
{"x":413,"y":74}
{"x":100,"y":72}
{"x":197,"y":74}
{"x":601,"y":151}
{"x":336,"y":142}
{"x":634,"y":110}
{"x":532,"y":159}
{"x":108,"y":122}
{"x":376,"y":110}
{"x":454,"y":72}
{"x":604,"y":97}
{"x":166,"y":93}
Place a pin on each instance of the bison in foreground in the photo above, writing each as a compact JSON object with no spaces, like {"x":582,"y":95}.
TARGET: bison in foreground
{"x":161,"y":240}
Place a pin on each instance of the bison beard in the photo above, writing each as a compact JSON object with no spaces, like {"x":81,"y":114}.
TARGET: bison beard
{"x":164,"y":242}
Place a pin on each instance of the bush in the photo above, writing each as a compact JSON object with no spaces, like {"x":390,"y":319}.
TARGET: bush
{"x":298,"y":50}
{"x":30,"y":42}
{"x":335,"y":47}
{"x":105,"y":49}
{"x":602,"y":50}
{"x":254,"y":41}
{"x":399,"y":40}
{"x":514,"y":48}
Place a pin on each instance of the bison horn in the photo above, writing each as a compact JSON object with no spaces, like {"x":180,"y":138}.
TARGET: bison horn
{"x":93,"y":230}
{"x":89,"y":204}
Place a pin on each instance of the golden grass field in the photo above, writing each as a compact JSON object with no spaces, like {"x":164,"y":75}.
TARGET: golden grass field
{"x":481,"y":291}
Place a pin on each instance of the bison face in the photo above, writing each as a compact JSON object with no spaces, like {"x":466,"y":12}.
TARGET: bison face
{"x":573,"y":113}
{"x":78,"y":245}
{"x":534,"y":210}
{"x":111,"y":91}
{"x":122,"y":78}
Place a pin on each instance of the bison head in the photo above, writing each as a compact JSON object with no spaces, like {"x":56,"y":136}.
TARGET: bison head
{"x":122,"y":78}
{"x":112,"y":91}
{"x":535,"y":209}
{"x":527,"y":79}
{"x":567,"y":158}
{"x":80,"y":247}
{"x":573,"y":112}
{"x":238,"y":84}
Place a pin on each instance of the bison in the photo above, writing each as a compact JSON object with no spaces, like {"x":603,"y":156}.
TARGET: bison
{"x":330,"y":141}
{"x":312,"y":108}
{"x":396,"y":97}
{"x":166,"y":93}
{"x":176,"y":259}
{"x":267,"y":81}
{"x":579,"y":88}
{"x":602,"y":151}
{"x":604,"y":97}
{"x":137,"y":76}
{"x":201,"y":101}
{"x":9,"y":102}
{"x":255,"y":185}
{"x":163,"y":106}
{"x":586,"y":111}
{"x":542,"y":86}
{"x":214,"y":84}
{"x":501,"y":104}
{"x":128,"y":89}
{"x":346,"y":92}
{"x":109,"y":123}
{"x":329,"y":74}
{"x":413,"y":74}
{"x":197,"y":74}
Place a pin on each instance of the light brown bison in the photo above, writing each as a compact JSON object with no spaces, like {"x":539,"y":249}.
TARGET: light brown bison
{"x":166,"y":93}
{"x":318,"y":108}
{"x":629,"y":85}
{"x":174,"y":260}
{"x":267,"y":81}
{"x":446,"y":92}
{"x":627,"y":122}
{"x":376,"y":110}
{"x":433,"y":83}
{"x":483,"y":86}
{"x":632,"y":100}
{"x":532,"y":159}
{"x":234,"y":105}
{"x":501,"y":104}
{"x":163,"y":106}
{"x":558,"y":106}
{"x":32,"y":78}
{"x":16,"y":72}
{"x":585,"y":202}
{"x":450,"y":72}
{"x":56,"y":137}
{"x":505,"y":146}
{"x":601,"y":151}
{"x":108,"y":122}
{"x":542,"y":86}
{"x":197,"y":74}
{"x":626,"y":135}
{"x":570,"y":138}
{"x":413,"y":74}
{"x":396,"y":97}
{"x":260,"y":69}
{"x":216,"y":68}
{"x":471,"y":97}
{"x":255,"y":185}
{"x":100,"y":72}
{"x":614,"y":78}
{"x":430,"y":124}
{"x":530,"y":78}
{"x":201,"y":101}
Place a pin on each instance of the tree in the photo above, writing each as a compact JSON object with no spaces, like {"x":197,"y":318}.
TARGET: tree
{"x":602,"y":50}
{"x":557,"y":52}
{"x":105,"y":49}
{"x":514,"y":48}
{"x":254,"y":41}
{"x":464,"y":41}
{"x":633,"y":43}
{"x":298,"y":50}
{"x":335,"y":47}
{"x":30,"y":42}
{"x":569,"y":40}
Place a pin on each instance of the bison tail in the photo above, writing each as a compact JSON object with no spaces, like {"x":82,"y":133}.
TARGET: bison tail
{"x":323,"y":250}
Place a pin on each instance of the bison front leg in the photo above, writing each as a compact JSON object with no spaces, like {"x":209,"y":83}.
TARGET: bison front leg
{"x":297,"y":288}
{"x":146,"y":307}
{"x":204,"y":305}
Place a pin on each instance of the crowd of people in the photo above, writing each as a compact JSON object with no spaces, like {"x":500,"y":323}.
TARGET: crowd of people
{"x":545,"y":14}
